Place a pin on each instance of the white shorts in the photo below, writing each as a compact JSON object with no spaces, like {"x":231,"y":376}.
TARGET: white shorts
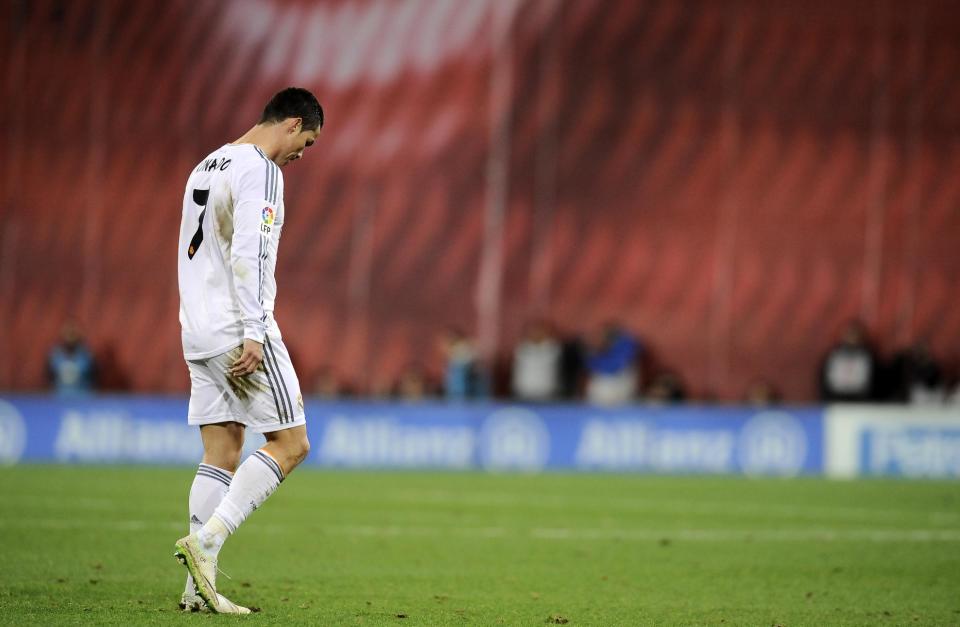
{"x":269,"y":399}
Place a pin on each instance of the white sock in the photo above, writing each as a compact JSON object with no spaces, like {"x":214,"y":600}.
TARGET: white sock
{"x":256,"y":479}
{"x":208,"y":489}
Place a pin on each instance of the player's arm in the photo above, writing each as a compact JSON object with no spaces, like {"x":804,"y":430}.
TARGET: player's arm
{"x":253,"y":212}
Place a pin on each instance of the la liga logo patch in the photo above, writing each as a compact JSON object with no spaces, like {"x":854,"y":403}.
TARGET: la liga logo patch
{"x":268,"y":216}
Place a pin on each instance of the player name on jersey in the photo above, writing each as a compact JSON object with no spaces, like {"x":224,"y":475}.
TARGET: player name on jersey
{"x":208,"y":165}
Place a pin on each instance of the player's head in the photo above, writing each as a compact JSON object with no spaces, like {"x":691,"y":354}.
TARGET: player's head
{"x":296,"y":117}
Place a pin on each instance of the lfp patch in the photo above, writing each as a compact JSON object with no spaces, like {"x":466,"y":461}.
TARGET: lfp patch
{"x":267,"y":215}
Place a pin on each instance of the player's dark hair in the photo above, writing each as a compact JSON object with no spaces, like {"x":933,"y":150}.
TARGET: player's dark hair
{"x":294,"y":102}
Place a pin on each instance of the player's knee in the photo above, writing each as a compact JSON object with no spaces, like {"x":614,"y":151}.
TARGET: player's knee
{"x":295,"y":451}
{"x":290,"y":447}
{"x":302,"y":449}
{"x":223,"y":456}
{"x":227,"y":461}
{"x":223,"y":445}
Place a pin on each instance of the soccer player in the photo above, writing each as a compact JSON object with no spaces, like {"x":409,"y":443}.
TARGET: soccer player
{"x":240,"y":372}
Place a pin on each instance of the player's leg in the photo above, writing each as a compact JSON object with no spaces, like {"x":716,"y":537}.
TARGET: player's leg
{"x":269,"y":401}
{"x":288,"y":447}
{"x":272,"y":400}
{"x":222,"y":446}
{"x":255,"y":480}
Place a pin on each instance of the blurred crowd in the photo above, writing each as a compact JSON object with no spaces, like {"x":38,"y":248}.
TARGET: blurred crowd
{"x":853,"y":371}
{"x":610,"y":366}
{"x":613,"y":366}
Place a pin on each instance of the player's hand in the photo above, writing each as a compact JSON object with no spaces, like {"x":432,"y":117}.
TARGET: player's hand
{"x":249,"y":360}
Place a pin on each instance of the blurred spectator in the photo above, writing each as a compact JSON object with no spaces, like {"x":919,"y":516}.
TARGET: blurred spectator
{"x":953,"y":397}
{"x":536,"y":364}
{"x":463,"y":375}
{"x":849,"y":370}
{"x":917,"y":377}
{"x":612,"y":364}
{"x":761,"y":394}
{"x":571,"y":374}
{"x":70,"y":365}
{"x":413,"y":384}
{"x":666,"y":388}
{"x":381,"y":388}
{"x":328,"y":385}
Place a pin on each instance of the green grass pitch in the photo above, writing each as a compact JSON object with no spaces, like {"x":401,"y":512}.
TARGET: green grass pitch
{"x":95,"y":546}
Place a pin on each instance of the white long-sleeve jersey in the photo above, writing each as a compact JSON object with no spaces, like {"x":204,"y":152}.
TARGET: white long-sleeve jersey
{"x":229,"y":235}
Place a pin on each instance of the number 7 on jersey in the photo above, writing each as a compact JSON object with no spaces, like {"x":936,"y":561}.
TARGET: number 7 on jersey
{"x":200,"y":197}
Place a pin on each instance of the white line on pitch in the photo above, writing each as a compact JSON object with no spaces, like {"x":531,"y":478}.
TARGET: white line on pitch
{"x":536,"y":533}
{"x":640,"y":503}
{"x":654,"y":535}
{"x":752,"y":535}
